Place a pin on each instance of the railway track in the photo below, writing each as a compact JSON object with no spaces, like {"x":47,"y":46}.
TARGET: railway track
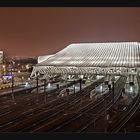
{"x":126,"y":116}
{"x":60,"y":99}
{"x":121,"y":118}
{"x":63,"y":121}
{"x":24,"y":99}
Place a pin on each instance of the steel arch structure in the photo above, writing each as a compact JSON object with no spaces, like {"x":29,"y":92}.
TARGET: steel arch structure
{"x":119,"y":58}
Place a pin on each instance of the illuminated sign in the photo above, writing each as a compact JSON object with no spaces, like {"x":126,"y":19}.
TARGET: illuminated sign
{"x":7,"y":77}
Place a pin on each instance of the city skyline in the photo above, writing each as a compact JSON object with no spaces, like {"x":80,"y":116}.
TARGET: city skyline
{"x":42,"y":31}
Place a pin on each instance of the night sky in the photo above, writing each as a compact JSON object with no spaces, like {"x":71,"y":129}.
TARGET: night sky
{"x":41,"y":31}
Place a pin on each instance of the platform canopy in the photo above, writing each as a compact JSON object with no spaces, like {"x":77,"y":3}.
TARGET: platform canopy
{"x":81,"y":58}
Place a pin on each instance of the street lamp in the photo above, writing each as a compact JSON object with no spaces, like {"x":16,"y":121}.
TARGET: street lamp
{"x":37,"y":85}
{"x":80,"y":85}
{"x":12,"y":76}
{"x":13,"y":96}
{"x":113,"y":80}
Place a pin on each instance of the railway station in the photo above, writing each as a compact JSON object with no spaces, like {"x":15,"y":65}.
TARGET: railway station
{"x":70,"y":70}
{"x":91,"y":60}
{"x":88,"y":59}
{"x":86,"y":87}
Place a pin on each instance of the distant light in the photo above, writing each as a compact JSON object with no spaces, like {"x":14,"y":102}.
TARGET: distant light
{"x":131,"y":89}
{"x":132,"y":71}
{"x":27,"y":66}
{"x":82,"y":76}
{"x":19,"y":71}
{"x":26,"y":84}
{"x":99,"y":76}
{"x":13,"y":62}
{"x":7,"y":77}
{"x":49,"y":85}
{"x":101,"y":88}
{"x":3,"y":66}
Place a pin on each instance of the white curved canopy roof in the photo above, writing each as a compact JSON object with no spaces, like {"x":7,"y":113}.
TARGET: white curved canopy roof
{"x":43,"y":58}
{"x":121,"y":54}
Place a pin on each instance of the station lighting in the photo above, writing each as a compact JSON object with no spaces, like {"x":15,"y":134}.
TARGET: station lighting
{"x":101,"y":88}
{"x":26,"y":84}
{"x":131,"y":89}
{"x":49,"y":85}
{"x":82,"y":76}
{"x":99,"y":76}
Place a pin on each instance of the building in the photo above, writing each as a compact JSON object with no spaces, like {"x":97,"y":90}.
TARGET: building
{"x":117,"y":58}
{"x":1,"y":57}
{"x":2,"y":68}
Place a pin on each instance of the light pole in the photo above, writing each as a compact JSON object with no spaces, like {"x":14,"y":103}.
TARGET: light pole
{"x":66,"y":82}
{"x":12,"y":76}
{"x":13,"y":87}
{"x":37,"y":86}
{"x":45,"y":89}
{"x":80,"y":85}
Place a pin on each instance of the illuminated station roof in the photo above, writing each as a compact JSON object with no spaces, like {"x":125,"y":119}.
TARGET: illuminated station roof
{"x":94,"y":55}
{"x":125,"y":54}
